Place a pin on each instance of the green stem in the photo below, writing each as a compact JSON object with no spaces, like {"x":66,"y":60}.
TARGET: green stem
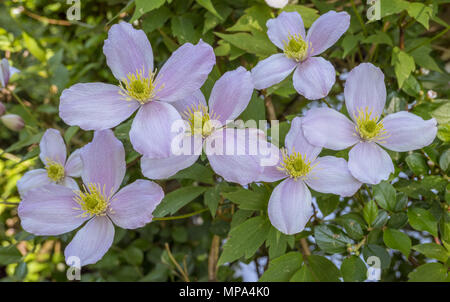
{"x":25,"y":108}
{"x":430,"y":40}
{"x":325,"y":101}
{"x":359,"y":18}
{"x":181,"y":216}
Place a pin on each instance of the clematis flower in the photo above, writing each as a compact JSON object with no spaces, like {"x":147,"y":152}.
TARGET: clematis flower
{"x":365,"y":97}
{"x":6,"y":71}
{"x":57,"y":170}
{"x":55,"y":209}
{"x":229,"y":150}
{"x":98,"y":106}
{"x":313,"y":76}
{"x":277,"y":3}
{"x":300,"y":167}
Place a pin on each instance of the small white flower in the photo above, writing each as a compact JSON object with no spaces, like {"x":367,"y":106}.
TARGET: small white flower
{"x":277,"y":3}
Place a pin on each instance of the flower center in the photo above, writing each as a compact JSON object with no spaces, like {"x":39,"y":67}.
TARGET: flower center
{"x":138,"y":87}
{"x":55,"y":171}
{"x":295,"y":165}
{"x":367,"y":126}
{"x":296,"y":48}
{"x":92,"y":200}
{"x":199,"y":119}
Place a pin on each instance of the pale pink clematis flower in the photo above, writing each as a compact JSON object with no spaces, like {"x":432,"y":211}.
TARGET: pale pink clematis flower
{"x":365,"y":97}
{"x":54,"y":209}
{"x":313,"y":76}
{"x":289,"y":206}
{"x":57,"y":170}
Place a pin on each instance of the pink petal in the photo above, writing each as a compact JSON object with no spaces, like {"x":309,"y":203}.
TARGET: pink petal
{"x":162,"y":168}
{"x":295,"y":141}
{"x":237,"y":154}
{"x":331,"y":175}
{"x":91,"y":242}
{"x":132,"y":206}
{"x":369,"y":163}
{"x":74,"y":165}
{"x":231,"y":94}
{"x":272,"y":70}
{"x":406,"y":132}
{"x":153,"y":129}
{"x":328,"y":128}
{"x":49,"y":210}
{"x":365,"y":88}
{"x":52,"y":147}
{"x":94,"y":106}
{"x":326,"y":30}
{"x":104,"y":161}
{"x":192,"y":101}
{"x":285,"y":25}
{"x":290,"y":206}
{"x":314,"y":78}
{"x":127,"y":50}
{"x":185,"y":71}
{"x":33,"y":179}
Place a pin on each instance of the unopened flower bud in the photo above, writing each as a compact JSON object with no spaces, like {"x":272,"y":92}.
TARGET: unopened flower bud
{"x":2,"y":108}
{"x":424,"y":71}
{"x":431,"y":94}
{"x":13,"y":122}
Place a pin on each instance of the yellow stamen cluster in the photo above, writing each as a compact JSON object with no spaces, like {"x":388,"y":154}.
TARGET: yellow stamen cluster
{"x":93,"y":200}
{"x":138,"y":87}
{"x":296,"y":48}
{"x":367,"y":126}
{"x":55,"y":171}
{"x":295,"y":165}
{"x":200,"y":120}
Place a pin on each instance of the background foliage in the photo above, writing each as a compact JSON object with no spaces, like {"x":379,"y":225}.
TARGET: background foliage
{"x":405,"y":221}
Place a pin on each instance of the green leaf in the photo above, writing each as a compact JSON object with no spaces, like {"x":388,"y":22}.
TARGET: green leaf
{"x":133,"y":255}
{"x":422,"y":220}
{"x":318,"y":269}
{"x":349,"y":43}
{"x":421,"y":12}
{"x":9,"y":254}
{"x":429,"y":272}
{"x":417,"y":163}
{"x":444,"y":160}
{"x":277,"y":242}
{"x":175,"y":200}
{"x":255,"y":111}
{"x":397,"y":240}
{"x":327,"y":204}
{"x":156,"y":19}
{"x":183,"y":29}
{"x":403,"y":65}
{"x":32,"y":45}
{"x":353,"y":269}
{"x":390,"y":7}
{"x":255,"y":18}
{"x":432,"y":250}
{"x":258,"y":44}
{"x":381,"y":219}
{"x":330,"y":239}
{"x":370,"y":212}
{"x":69,"y":133}
{"x":384,"y":194}
{"x":377,"y":251}
{"x":282,"y":268}
{"x":212,"y":199}
{"x":210,"y":7}
{"x":247,"y":199}
{"x":379,"y":38}
{"x":245,"y":239}
{"x":444,"y":132}
{"x":144,"y":6}
{"x":442,"y":113}
{"x":196,"y":172}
